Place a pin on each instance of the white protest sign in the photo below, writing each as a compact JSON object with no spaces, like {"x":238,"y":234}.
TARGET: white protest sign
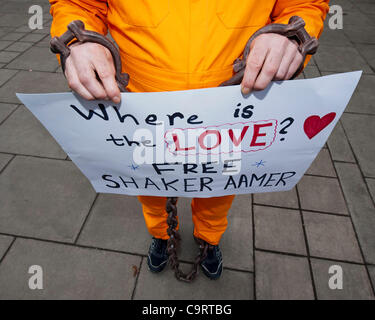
{"x":197,"y":143}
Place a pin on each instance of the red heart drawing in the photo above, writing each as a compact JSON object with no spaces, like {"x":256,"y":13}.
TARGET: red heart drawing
{"x":314,"y":124}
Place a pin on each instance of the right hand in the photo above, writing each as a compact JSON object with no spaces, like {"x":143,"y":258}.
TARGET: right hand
{"x":86,"y":60}
{"x":272,"y":57}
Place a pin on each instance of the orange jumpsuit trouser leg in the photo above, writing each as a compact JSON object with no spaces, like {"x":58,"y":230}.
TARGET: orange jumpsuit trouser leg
{"x":209,"y":216}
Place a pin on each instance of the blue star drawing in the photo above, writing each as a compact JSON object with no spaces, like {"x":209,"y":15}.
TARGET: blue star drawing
{"x":260,"y":163}
{"x":133,"y":167}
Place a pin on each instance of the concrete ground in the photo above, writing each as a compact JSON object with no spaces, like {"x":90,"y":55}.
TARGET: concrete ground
{"x":278,"y":245}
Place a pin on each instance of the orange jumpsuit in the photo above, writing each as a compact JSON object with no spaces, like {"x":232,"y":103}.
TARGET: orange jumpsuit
{"x":183,"y":44}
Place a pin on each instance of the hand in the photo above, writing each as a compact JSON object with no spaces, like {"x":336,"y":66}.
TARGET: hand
{"x":271,"y":57}
{"x":87,"y":61}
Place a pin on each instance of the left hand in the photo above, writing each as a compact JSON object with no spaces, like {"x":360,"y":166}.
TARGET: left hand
{"x":272,"y":57}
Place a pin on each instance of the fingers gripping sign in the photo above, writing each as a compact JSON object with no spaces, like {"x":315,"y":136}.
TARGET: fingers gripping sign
{"x":90,"y":72}
{"x":92,"y":64}
{"x":274,"y":52}
{"x":272,"y":57}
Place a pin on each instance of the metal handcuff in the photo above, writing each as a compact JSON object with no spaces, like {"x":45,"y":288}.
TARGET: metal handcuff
{"x":76,"y":32}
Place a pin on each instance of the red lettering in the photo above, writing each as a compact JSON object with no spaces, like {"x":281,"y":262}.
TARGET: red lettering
{"x":177,"y":144}
{"x":204,"y":134}
{"x":256,"y":134}
{"x":236,"y":141}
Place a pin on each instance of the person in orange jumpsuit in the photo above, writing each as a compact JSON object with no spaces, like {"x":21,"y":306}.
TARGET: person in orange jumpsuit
{"x":170,"y":45}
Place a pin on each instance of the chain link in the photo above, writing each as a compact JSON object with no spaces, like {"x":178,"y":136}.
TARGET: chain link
{"x":174,"y":241}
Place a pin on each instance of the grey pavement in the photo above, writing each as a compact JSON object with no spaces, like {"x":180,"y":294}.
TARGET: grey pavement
{"x":277,"y":246}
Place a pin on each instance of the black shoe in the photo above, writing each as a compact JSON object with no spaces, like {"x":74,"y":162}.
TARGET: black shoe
{"x":157,"y":255}
{"x":212,"y":265}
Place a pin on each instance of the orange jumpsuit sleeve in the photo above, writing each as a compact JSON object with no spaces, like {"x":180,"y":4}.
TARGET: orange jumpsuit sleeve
{"x":312,"y":11}
{"x":92,"y":12}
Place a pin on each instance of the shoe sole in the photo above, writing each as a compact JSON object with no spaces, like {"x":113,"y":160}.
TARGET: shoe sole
{"x":155,"y":269}
{"x":213,"y":276}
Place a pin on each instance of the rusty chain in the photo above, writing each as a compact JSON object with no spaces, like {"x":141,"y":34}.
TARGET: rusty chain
{"x":76,"y":32}
{"x":174,"y":241}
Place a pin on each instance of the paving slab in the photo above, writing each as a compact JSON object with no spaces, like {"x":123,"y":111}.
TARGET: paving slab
{"x":6,"y":57}
{"x":322,"y":165}
{"x":371,"y":270}
{"x":5,"y":242}
{"x":339,"y":146}
{"x":350,"y":59}
{"x":13,"y":36}
{"x":59,"y":69}
{"x":345,"y":4}
{"x":33,"y":37}
{"x":354,"y":19}
{"x":331,"y":236}
{"x":32,"y":82}
{"x":237,"y":241}
{"x":335,"y":37}
{"x":312,"y":62}
{"x":13,"y":19}
{"x":371,"y":186}
{"x":4,"y":160}
{"x":355,"y":282}
{"x":4,"y":44}
{"x":370,"y":15}
{"x":43,"y":198}
{"x":368,"y":52}
{"x":361,"y":34}
{"x":116,"y":222}
{"x":24,"y":29}
{"x":232,"y":285}
{"x":321,"y":194}
{"x":6,"y":109}
{"x":45,"y":30}
{"x":367,"y":6}
{"x":68,"y":272}
{"x":36,"y":58}
{"x":19,"y":46}
{"x":360,"y":206}
{"x":23,"y":134}
{"x":17,"y":6}
{"x":4,"y":30}
{"x":363,"y":99}
{"x":5,"y":75}
{"x":300,"y":76}
{"x":279,"y":230}
{"x":45,"y":43}
{"x":287,"y":199}
{"x":360,"y":130}
{"x":282,"y":277}
{"x":311,"y":72}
